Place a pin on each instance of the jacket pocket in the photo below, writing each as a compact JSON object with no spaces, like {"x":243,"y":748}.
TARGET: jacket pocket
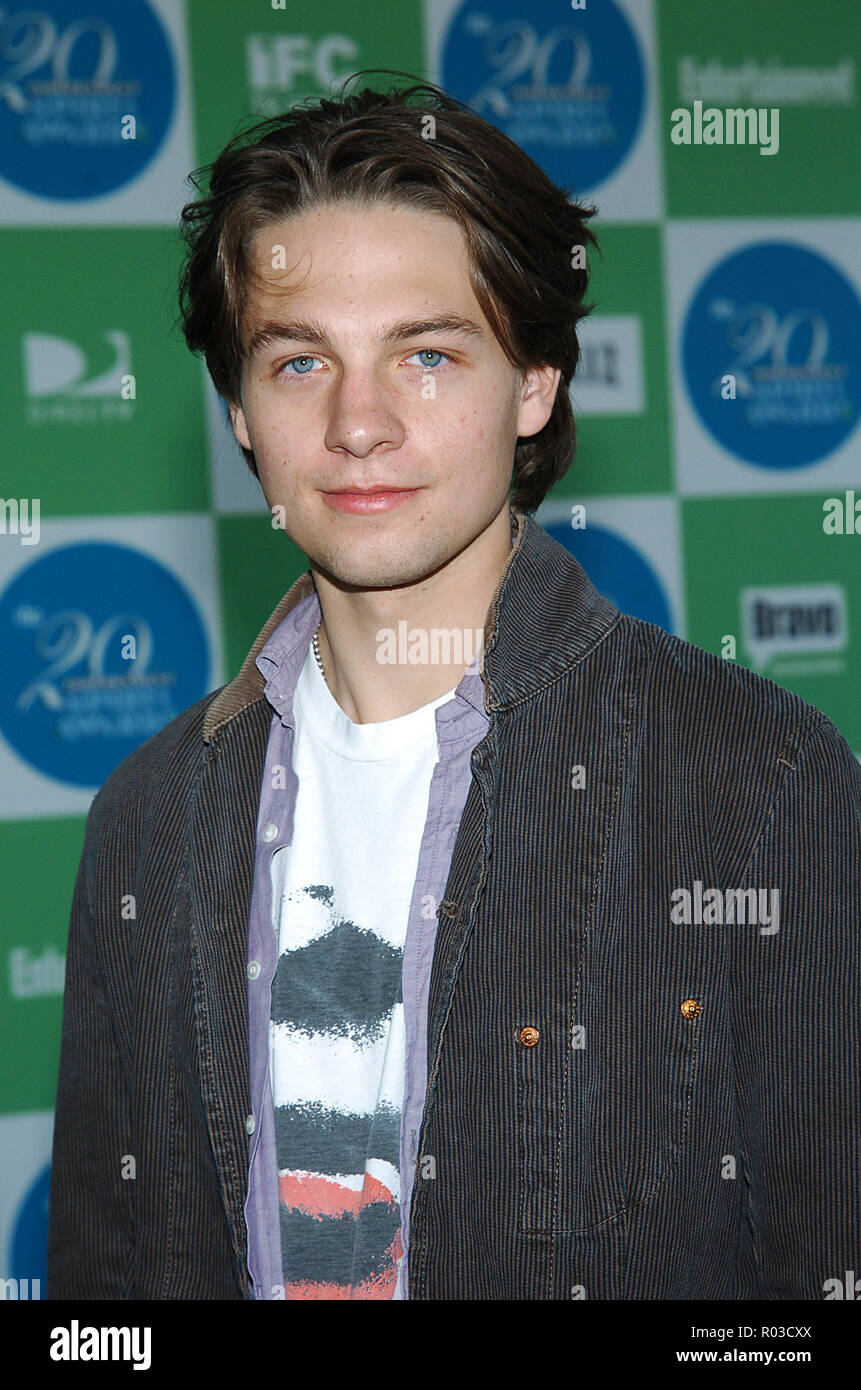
{"x":604,"y":1101}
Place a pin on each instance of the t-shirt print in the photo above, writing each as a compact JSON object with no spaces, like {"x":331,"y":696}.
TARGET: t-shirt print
{"x":338,"y":1042}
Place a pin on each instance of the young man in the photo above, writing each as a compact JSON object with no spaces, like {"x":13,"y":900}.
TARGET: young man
{"x":410,"y":1005}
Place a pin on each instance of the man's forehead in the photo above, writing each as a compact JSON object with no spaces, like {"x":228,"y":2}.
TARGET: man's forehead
{"x":297,"y":283}
{"x":301,"y":307}
{"x":354,"y":219}
{"x":359,"y":242}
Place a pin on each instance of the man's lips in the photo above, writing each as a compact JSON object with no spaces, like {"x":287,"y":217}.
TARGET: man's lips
{"x":367,"y":491}
{"x":381,"y":497}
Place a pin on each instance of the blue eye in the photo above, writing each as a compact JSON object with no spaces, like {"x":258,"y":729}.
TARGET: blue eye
{"x":304,"y":358}
{"x":429,"y":352}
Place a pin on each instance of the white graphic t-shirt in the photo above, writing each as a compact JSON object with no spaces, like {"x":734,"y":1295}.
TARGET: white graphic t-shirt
{"x":341,"y":895}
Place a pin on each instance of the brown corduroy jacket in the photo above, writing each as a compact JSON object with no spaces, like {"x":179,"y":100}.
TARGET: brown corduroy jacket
{"x":683,"y":1120}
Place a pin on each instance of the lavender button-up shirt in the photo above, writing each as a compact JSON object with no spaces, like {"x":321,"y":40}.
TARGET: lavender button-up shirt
{"x":460,"y":723}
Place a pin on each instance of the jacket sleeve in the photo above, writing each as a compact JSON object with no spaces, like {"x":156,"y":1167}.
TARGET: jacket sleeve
{"x":796,"y":1034}
{"x":90,"y":1207}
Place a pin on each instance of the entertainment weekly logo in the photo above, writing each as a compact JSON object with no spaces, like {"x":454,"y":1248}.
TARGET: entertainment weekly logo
{"x":766,"y":82}
{"x":34,"y":976}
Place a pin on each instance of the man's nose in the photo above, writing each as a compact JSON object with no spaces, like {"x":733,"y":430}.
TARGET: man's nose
{"x":362,"y":414}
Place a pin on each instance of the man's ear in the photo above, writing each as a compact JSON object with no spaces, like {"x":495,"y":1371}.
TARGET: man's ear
{"x":239,"y":423}
{"x":538,"y":395}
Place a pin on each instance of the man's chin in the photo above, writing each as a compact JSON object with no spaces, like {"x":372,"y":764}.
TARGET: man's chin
{"x":359,"y":578}
{"x":381,"y":565}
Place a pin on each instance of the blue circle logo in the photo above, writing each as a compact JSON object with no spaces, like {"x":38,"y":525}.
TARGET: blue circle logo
{"x":770,"y":355}
{"x":29,"y":1244}
{"x":567,"y":86}
{"x":617,"y":570}
{"x":104,"y":647}
{"x":87,"y":94}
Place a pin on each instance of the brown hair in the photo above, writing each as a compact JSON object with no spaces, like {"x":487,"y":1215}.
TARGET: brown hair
{"x":521,"y":231}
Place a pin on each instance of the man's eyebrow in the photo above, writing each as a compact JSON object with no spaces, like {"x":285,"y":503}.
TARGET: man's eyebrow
{"x":313,"y":332}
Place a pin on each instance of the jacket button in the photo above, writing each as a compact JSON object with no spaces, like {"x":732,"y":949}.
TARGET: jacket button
{"x":691,"y":1007}
{"x":529,"y":1036}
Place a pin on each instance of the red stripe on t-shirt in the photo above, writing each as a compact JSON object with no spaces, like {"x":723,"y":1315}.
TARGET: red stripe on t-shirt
{"x":318,"y":1195}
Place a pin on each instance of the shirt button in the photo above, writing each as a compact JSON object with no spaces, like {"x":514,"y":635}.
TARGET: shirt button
{"x":529,"y":1036}
{"x":253,"y":969}
{"x":270,"y":831}
{"x":691,"y":1007}
{"x":249,"y":1124}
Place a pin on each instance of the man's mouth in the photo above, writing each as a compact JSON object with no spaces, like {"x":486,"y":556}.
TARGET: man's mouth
{"x":377,"y":497}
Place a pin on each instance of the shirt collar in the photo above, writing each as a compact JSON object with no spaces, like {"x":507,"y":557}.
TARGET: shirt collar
{"x":545,"y":617}
{"x":280,"y":660}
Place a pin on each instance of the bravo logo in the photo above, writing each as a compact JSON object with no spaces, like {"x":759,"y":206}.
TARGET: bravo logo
{"x":106,"y":647}
{"x":795,"y":620}
{"x":567,"y":86}
{"x":770,"y":355}
{"x":87,"y":95}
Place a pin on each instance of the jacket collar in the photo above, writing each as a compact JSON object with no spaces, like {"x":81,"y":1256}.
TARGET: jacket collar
{"x":544,"y":617}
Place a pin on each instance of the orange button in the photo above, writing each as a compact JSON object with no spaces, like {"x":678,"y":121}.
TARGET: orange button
{"x":529,"y":1036}
{"x":691,"y":1007}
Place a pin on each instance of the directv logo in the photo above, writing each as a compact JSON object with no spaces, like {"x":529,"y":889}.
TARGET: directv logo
{"x":66,"y":386}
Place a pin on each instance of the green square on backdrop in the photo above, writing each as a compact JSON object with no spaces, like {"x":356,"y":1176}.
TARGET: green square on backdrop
{"x":34,"y":925}
{"x":89,"y":319}
{"x":733,"y":543}
{"x":801,"y":59}
{"x":249,"y":59}
{"x":627,"y":453}
{"x":257,"y":564}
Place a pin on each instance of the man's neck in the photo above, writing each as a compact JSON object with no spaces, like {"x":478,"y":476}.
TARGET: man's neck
{"x":387,"y":652}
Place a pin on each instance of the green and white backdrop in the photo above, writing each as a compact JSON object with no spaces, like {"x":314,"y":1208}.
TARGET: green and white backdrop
{"x":714,"y":489}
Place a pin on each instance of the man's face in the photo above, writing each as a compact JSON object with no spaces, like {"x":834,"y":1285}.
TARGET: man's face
{"x":352,"y":389}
